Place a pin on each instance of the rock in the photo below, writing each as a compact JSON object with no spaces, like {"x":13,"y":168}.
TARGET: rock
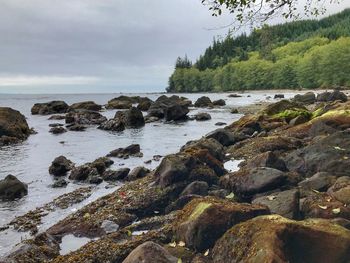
{"x":220,"y":193}
{"x":284,"y":203}
{"x":52,"y":107}
{"x":234,"y":111}
{"x":60,"y":166}
{"x":234,"y":96}
{"x":95,"y":179}
{"x":55,"y":125}
{"x":85,"y":117}
{"x":85,"y":105}
{"x":223,"y":136}
{"x":180,"y":203}
{"x":203,"y":102}
{"x":121,"y":102}
{"x":145,"y":104}
{"x":134,"y":118}
{"x":82,"y":172}
{"x":119,"y":174}
{"x":257,"y":180}
{"x":149,"y":119}
{"x":305,"y":99}
{"x":203,"y":116}
{"x":220,"y":102}
{"x":109,"y":226}
{"x":173,"y":168}
{"x":12,"y":125}
{"x":299,"y":120}
{"x":213,"y":146}
{"x":11,"y":188}
{"x":204,"y":220}
{"x":57,"y":130}
{"x":112,"y":125}
{"x":101,"y":164}
{"x":320,"y":182}
{"x":131,"y":150}
{"x":57,"y":117}
{"x":322,"y":155}
{"x":341,"y":190}
{"x":273,"y":238}
{"x":203,"y":173}
{"x":279,"y":96}
{"x":281,"y":106}
{"x":137,"y":173}
{"x":150,"y":252}
{"x":332,"y":96}
{"x":176,"y":112}
{"x":196,"y":188}
{"x":76,"y":127}
{"x":220,"y":123}
{"x":60,"y":183}
{"x":267,"y":159}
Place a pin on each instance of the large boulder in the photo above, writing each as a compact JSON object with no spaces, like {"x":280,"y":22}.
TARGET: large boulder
{"x":202,"y":102}
{"x":196,"y":188}
{"x":305,"y":99}
{"x":60,"y":166}
{"x":160,"y":106}
{"x":11,"y":188}
{"x":150,"y":252}
{"x":176,"y":112}
{"x":85,"y":105}
{"x":332,"y":96}
{"x":52,"y":107}
{"x":223,"y":136}
{"x":281,"y":106}
{"x":247,"y":182}
{"x":134,"y":118}
{"x":144,"y":104}
{"x":137,"y":173}
{"x":204,"y":220}
{"x":121,"y":102}
{"x":267,"y":159}
{"x":341,"y":190}
{"x":284,"y":203}
{"x":12,"y":125}
{"x":213,"y":146}
{"x":320,"y":181}
{"x":85,"y":117}
{"x":273,"y":238}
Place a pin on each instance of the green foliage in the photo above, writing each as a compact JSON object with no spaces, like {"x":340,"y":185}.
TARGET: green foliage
{"x":256,"y":62}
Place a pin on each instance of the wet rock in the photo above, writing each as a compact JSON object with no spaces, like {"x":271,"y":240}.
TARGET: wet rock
{"x":176,"y":112}
{"x":137,"y":173}
{"x":85,"y":117}
{"x":305,"y":99}
{"x":196,"y":188}
{"x":122,"y":102}
{"x":341,"y":190}
{"x":219,"y":102}
{"x":149,"y":119}
{"x":131,"y":150}
{"x":284,"y":203}
{"x":82,"y":172}
{"x":112,"y":125}
{"x":204,"y":220}
{"x":332,"y":96}
{"x":203,"y":173}
{"x":234,"y":111}
{"x":134,"y":118}
{"x":95,"y":179}
{"x":52,"y":107}
{"x":57,"y":130}
{"x":175,"y":107}
{"x":60,"y":166}
{"x":145,"y":104}
{"x":119,"y":174}
{"x":59,"y":183}
{"x":57,"y":117}
{"x":12,"y":125}
{"x":278,"y":96}
{"x":234,"y":95}
{"x":220,"y":123}
{"x":203,"y":116}
{"x":202,"y":102}
{"x":11,"y":188}
{"x":267,"y":159}
{"x":320,"y":182}
{"x":85,"y":105}
{"x":298,"y":120}
{"x":253,"y":181}
{"x":150,"y":252}
{"x":213,"y":146}
{"x":101,"y":164}
{"x":55,"y":125}
{"x":109,"y":226}
{"x":223,"y":136}
{"x":276,"y":239}
{"x":76,"y":127}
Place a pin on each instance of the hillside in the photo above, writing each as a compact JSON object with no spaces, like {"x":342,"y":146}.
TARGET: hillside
{"x":306,"y":54}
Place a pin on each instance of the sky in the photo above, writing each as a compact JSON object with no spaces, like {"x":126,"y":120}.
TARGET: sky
{"x":84,"y":46}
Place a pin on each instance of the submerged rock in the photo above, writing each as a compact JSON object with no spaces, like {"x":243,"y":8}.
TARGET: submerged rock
{"x":11,"y":188}
{"x":57,"y":130}
{"x":202,"y":116}
{"x":12,"y":125}
{"x":131,"y":150}
{"x":52,"y":107}
{"x":60,"y":166}
{"x":276,"y":239}
{"x":219,"y":102}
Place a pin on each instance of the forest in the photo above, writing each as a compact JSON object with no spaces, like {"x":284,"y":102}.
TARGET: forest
{"x":302,"y":54}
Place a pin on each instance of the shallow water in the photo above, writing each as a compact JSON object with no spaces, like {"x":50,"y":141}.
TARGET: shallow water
{"x":30,"y":160}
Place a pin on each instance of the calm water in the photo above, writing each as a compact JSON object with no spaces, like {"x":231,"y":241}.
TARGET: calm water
{"x":30,"y":160}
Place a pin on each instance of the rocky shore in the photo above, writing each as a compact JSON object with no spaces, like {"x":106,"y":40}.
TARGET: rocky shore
{"x":287,"y":202}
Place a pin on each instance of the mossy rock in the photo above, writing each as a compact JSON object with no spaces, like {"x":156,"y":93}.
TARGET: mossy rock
{"x":293,"y":113}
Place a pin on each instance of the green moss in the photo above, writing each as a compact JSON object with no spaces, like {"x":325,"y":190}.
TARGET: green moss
{"x":201,"y":207}
{"x":317,"y":113}
{"x":332,"y":113}
{"x":293,"y":113}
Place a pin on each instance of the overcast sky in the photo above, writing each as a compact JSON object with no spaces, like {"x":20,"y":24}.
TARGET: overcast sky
{"x":100,"y":45}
